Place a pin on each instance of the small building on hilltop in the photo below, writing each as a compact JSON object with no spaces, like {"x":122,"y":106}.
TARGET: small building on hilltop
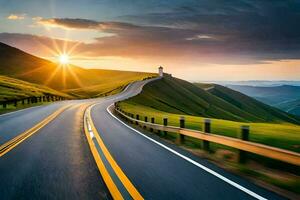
{"x":161,"y":71}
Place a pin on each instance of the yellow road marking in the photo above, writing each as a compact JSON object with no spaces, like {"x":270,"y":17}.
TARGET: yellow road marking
{"x":105,"y":175}
{"x":6,"y":147}
{"x":123,"y":178}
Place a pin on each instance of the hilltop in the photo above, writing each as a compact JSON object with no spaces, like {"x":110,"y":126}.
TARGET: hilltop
{"x":177,"y":96}
{"x":72,"y":80}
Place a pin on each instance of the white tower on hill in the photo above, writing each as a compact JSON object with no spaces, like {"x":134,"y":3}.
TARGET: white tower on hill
{"x":160,"y":71}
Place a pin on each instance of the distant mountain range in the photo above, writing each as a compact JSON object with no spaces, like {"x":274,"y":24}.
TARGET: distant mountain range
{"x":285,"y":97}
{"x":259,"y":83}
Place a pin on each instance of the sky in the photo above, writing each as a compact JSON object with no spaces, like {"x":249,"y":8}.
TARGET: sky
{"x":198,"y":40}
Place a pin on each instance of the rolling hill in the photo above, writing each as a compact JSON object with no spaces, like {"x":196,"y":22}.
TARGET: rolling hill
{"x":292,"y":107}
{"x":11,"y":88}
{"x":177,"y":96}
{"x":73,"y":80}
{"x":271,"y":95}
{"x":284,"y":97}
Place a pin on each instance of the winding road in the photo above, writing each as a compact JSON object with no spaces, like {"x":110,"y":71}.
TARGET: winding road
{"x":79,"y":150}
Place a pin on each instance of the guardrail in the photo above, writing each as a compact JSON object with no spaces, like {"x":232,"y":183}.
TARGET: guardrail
{"x":31,"y":100}
{"x":241,"y":144}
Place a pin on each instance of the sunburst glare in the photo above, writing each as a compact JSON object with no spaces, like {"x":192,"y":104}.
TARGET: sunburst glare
{"x":64,"y":59}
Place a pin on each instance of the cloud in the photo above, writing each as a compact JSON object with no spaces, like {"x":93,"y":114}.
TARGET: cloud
{"x":37,"y":45}
{"x":233,"y":36}
{"x":16,"y":17}
{"x":231,"y":32}
{"x":199,"y":37}
{"x":84,"y":24}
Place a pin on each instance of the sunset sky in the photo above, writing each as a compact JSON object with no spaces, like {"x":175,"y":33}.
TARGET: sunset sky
{"x":198,"y":40}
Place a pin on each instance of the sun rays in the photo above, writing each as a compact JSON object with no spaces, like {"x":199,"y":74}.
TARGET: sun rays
{"x":62,"y":54}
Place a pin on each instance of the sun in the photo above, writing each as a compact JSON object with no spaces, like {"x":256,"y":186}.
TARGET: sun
{"x":64,"y":59}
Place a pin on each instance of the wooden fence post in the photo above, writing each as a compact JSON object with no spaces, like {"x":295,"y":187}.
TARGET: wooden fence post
{"x":165,"y":124}
{"x":138,"y":118}
{"x":180,"y":137}
{"x":152,"y":121}
{"x":207,"y":129}
{"x":146,"y":120}
{"x":15,"y":103}
{"x":242,"y":157}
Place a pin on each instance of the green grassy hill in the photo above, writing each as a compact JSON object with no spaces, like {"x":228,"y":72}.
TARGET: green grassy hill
{"x":11,"y":88}
{"x":177,"y":96}
{"x":72,"y":79}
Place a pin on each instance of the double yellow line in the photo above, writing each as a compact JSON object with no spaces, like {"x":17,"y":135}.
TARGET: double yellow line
{"x":92,"y":133}
{"x":6,"y":147}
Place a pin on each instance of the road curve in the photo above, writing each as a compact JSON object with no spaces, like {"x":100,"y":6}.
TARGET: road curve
{"x":57,"y":163}
{"x":161,"y":170}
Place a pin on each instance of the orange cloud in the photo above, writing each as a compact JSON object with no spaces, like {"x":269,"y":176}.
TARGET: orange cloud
{"x":16,"y":17}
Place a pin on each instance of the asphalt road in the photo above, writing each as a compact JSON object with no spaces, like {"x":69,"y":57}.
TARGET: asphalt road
{"x":57,"y":163}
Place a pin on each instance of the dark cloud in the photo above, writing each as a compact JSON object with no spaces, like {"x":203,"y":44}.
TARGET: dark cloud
{"x":211,"y":31}
{"x":259,"y":29}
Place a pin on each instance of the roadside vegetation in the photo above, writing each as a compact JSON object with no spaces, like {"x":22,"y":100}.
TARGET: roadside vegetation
{"x":228,"y":110}
{"x":257,"y":168}
{"x":284,"y":135}
{"x":11,"y":89}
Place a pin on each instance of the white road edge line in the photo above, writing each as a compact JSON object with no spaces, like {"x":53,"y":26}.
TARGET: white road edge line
{"x":234,"y":184}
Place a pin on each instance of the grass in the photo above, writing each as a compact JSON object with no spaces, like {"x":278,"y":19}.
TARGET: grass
{"x":109,"y":82}
{"x":11,"y":88}
{"x":287,"y":184}
{"x":284,"y":135}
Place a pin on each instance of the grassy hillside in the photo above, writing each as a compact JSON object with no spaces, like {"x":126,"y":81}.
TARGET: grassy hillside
{"x":181,"y":97}
{"x":11,"y":88}
{"x":71,"y":79}
{"x":284,"y":136}
{"x":105,"y":82}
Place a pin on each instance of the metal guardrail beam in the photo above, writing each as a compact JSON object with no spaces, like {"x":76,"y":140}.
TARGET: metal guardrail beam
{"x":260,"y":149}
